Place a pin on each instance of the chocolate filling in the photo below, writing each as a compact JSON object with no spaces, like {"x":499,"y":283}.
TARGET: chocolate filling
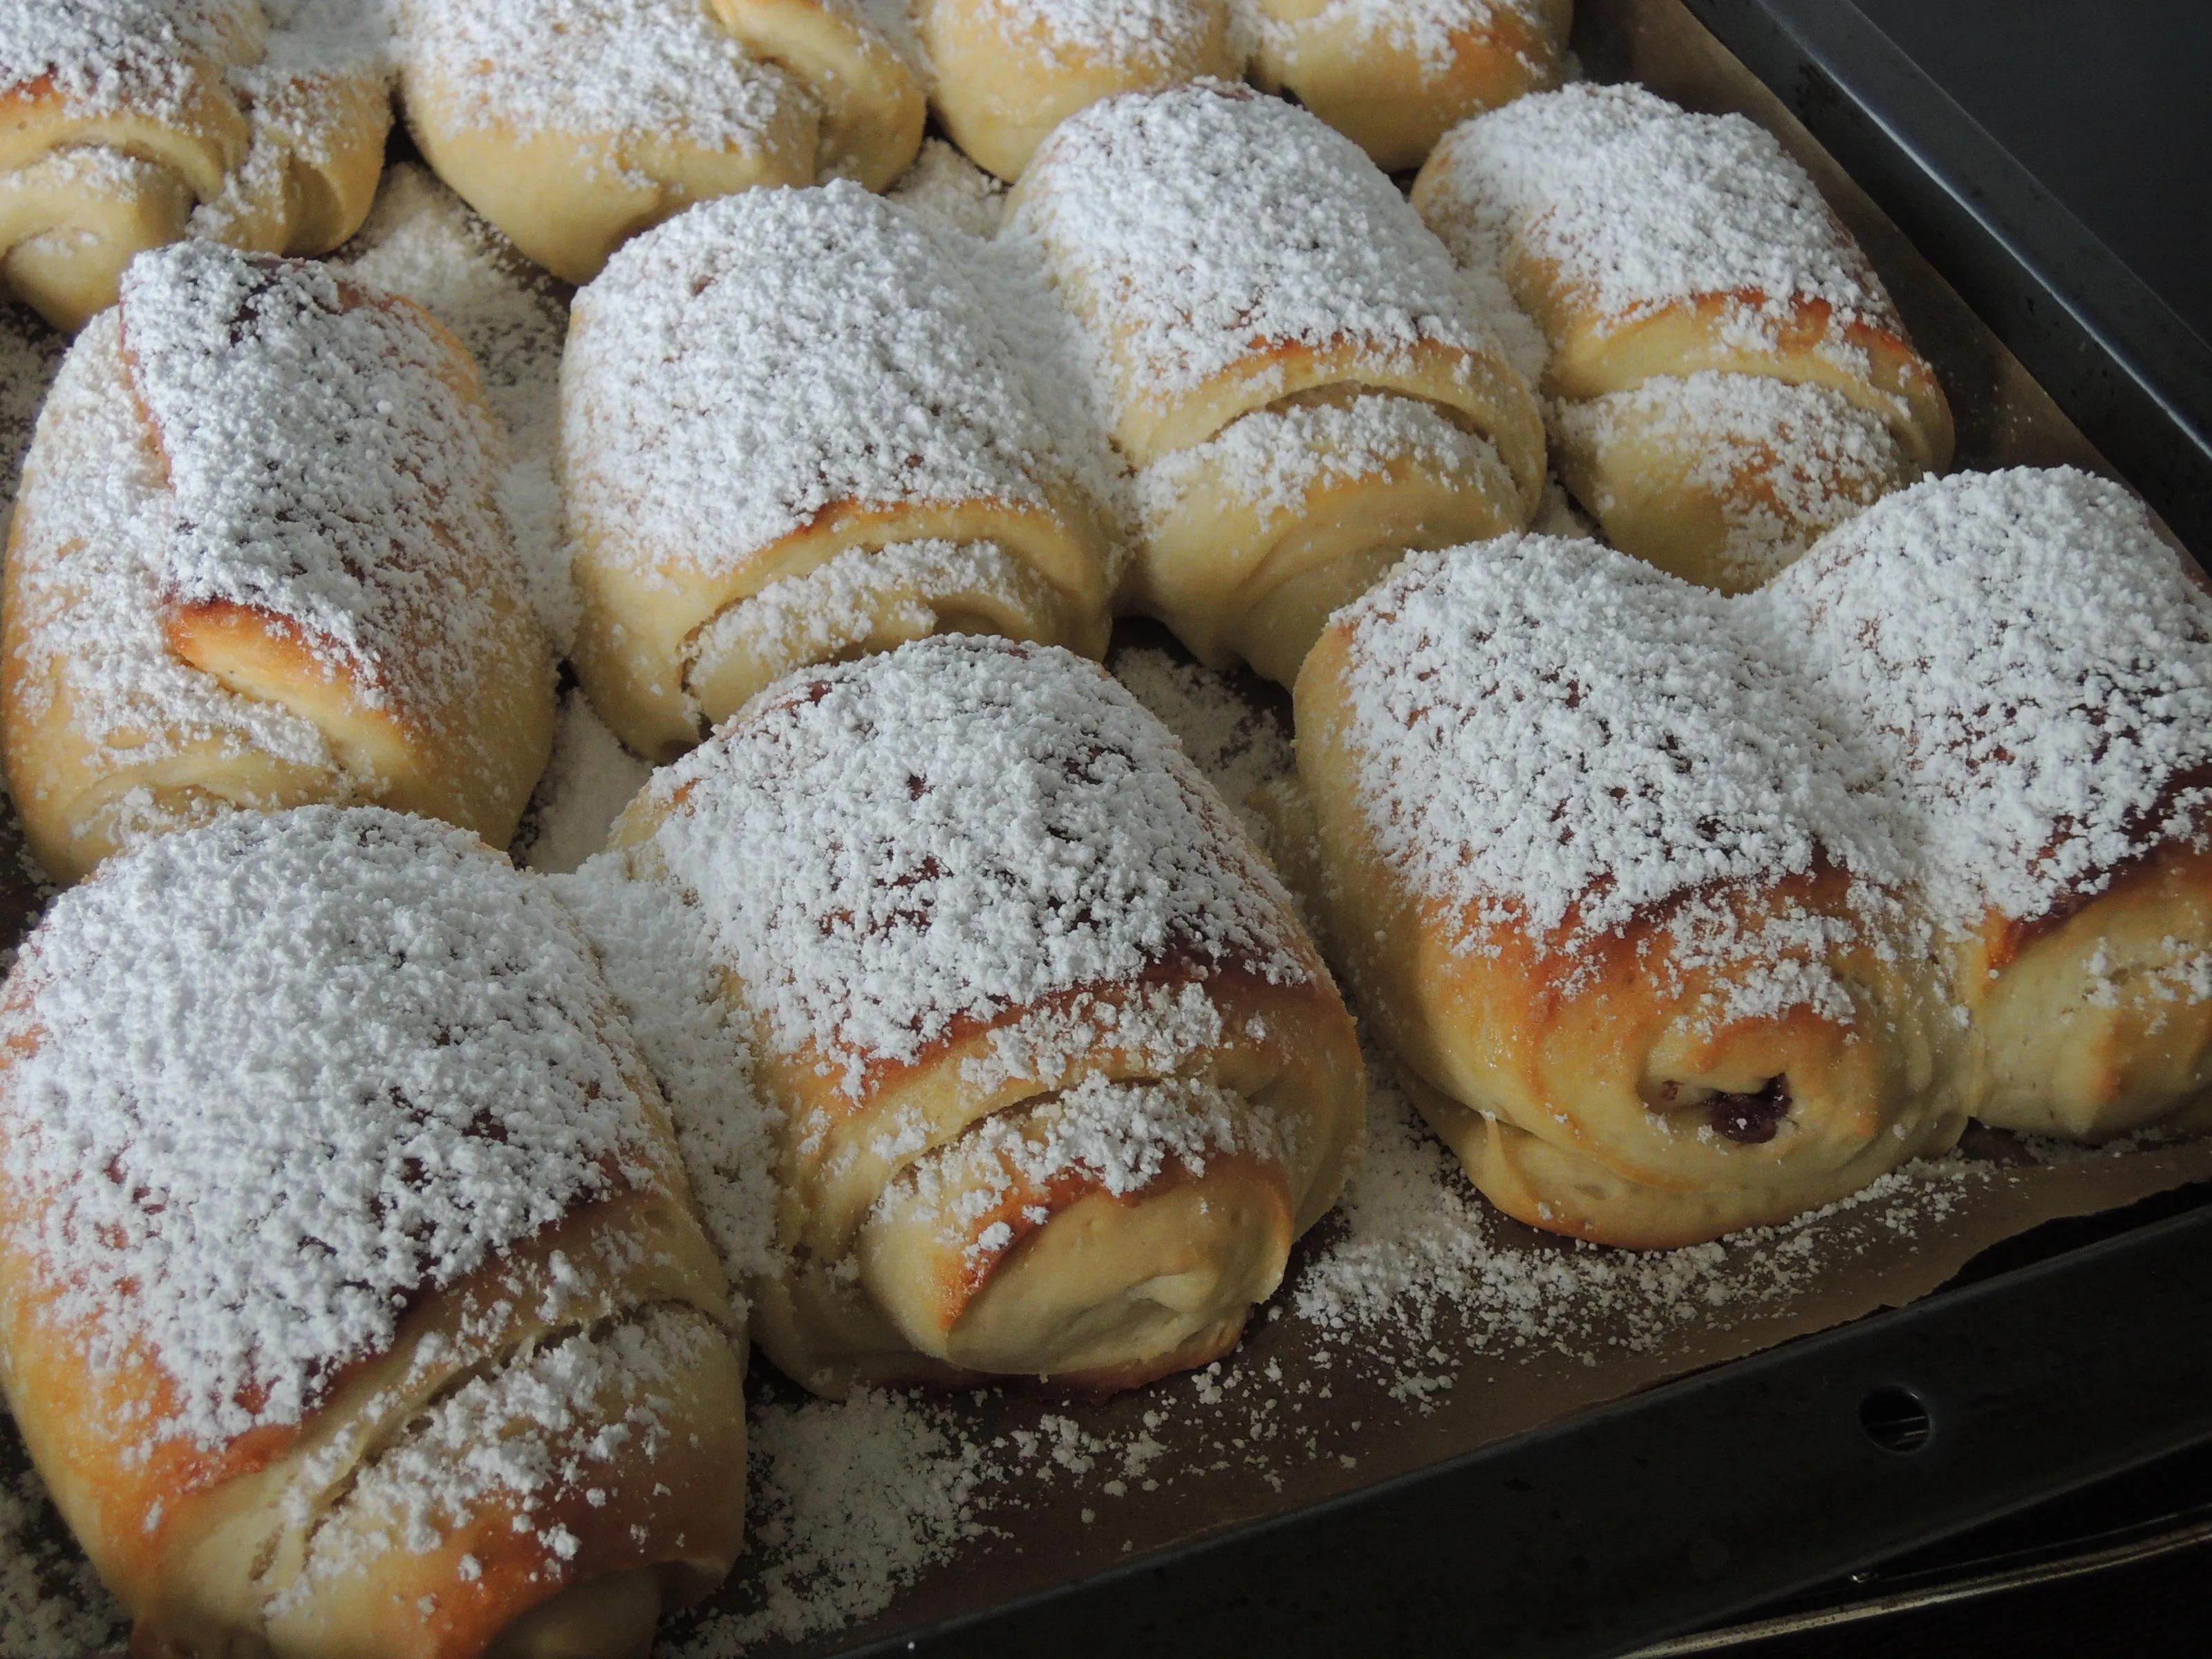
{"x":1752,"y":1119}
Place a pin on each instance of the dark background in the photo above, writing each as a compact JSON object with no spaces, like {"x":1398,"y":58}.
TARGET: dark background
{"x":2109,"y":103}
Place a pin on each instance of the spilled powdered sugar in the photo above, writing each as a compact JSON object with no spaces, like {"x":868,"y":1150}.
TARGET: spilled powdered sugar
{"x":1637,"y":205}
{"x":945,"y":189}
{"x":1190,"y":228}
{"x":955,"y":829}
{"x":715,"y":377}
{"x":1239,"y":740}
{"x":252,"y":373}
{"x":423,"y":241}
{"x":643,"y":70}
{"x":2035,"y":664}
{"x":589,"y":780}
{"x":30,"y":356}
{"x":436,"y":1076}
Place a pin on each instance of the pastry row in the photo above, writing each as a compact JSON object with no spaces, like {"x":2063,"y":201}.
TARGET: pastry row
{"x":384,"y":1227}
{"x":1213,"y":367}
{"x":572,"y":124}
{"x":368,"y":1293}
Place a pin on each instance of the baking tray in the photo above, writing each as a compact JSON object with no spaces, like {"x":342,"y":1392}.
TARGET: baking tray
{"x":2074,"y":1353}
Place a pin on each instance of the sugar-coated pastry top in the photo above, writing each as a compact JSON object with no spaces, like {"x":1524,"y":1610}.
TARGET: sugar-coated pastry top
{"x":1993,"y":690}
{"x":324,"y":464}
{"x":769,"y":357}
{"x":2037,"y":661}
{"x":152,"y":57}
{"x":1431,"y":32}
{"x":896,"y":849}
{"x":1554,"y":735}
{"x":1207,"y":221}
{"x":1640,"y":205}
{"x":1136,"y":34}
{"x":642,"y":68}
{"x":270,"y":1080}
{"x":106,"y":56}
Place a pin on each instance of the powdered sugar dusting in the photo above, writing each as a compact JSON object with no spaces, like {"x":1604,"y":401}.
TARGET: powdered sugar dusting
{"x":436,"y":1074}
{"x":1136,"y":35}
{"x":248,"y":370}
{"x":93,"y":537}
{"x":1190,"y":222}
{"x":421,"y":241}
{"x":657,"y":964}
{"x":949,"y":832}
{"x":1640,"y":206}
{"x":642,"y":69}
{"x":1432,"y":31}
{"x":946,"y":189}
{"x":108,"y":56}
{"x":1550,"y":734}
{"x":766,"y":358}
{"x":588,"y":781}
{"x":2037,"y":665}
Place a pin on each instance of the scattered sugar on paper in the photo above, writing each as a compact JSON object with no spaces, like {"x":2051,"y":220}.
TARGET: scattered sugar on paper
{"x":588,"y":781}
{"x":52,"y":1605}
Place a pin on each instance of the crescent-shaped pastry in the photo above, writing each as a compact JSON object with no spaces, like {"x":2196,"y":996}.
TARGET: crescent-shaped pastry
{"x":125,"y":125}
{"x":1395,"y":75}
{"x":794,"y":428}
{"x":1663,"y":253}
{"x":356,"y":1306}
{"x":258,"y":561}
{"x":572,"y":124}
{"x":1605,"y":879}
{"x":1056,"y":1074}
{"x":2037,"y":663}
{"x":1292,"y":364}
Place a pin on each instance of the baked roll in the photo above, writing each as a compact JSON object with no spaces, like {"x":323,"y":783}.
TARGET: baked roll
{"x":1603,"y":875}
{"x":1006,"y":72}
{"x":2037,"y":665}
{"x":572,"y":124}
{"x":356,"y":1303}
{"x":1057,"y":1075}
{"x":257,"y":562}
{"x":1664,"y":255}
{"x":128,"y":123}
{"x":1395,"y":78}
{"x":794,"y":429}
{"x":1292,"y":367}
